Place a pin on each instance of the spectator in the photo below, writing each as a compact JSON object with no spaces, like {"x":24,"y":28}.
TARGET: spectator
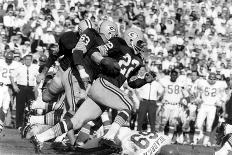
{"x":24,"y":85}
{"x":149,"y":94}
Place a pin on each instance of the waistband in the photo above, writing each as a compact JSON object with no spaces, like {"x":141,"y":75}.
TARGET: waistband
{"x":149,"y":100}
{"x":25,"y":86}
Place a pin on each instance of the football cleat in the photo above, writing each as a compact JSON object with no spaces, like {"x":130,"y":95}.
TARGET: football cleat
{"x":24,"y":130}
{"x":37,"y":144}
{"x":110,"y":145}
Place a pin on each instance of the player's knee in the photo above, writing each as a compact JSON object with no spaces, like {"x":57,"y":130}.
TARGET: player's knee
{"x":48,"y":95}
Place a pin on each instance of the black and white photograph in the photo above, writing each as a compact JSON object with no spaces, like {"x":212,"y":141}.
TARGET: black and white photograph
{"x":116,"y":77}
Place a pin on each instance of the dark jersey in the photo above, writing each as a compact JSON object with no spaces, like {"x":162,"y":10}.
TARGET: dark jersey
{"x":129,"y":63}
{"x":67,"y":42}
{"x":89,"y":40}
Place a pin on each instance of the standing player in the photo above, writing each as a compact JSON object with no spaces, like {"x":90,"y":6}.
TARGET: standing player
{"x":172,"y":96}
{"x":7,"y":67}
{"x":105,"y":91}
{"x":211,"y":94}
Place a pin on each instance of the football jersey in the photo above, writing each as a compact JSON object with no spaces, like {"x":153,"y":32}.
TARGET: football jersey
{"x":172,"y":91}
{"x":7,"y":70}
{"x":141,"y":143}
{"x":192,"y":87}
{"x":89,"y":40}
{"x":66,"y":42}
{"x":129,"y":62}
{"x":210,"y":94}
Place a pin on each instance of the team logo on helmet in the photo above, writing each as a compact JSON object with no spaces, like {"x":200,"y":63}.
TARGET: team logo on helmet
{"x":133,"y":35}
{"x":112,"y":29}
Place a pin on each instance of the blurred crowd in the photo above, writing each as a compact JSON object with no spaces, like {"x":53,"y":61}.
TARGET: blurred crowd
{"x":186,"y":35}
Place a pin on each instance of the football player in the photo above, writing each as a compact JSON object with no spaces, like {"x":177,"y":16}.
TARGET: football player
{"x":211,"y":94}
{"x":7,"y":68}
{"x":172,"y":97}
{"x":105,"y":90}
{"x":67,"y":77}
{"x":81,"y":54}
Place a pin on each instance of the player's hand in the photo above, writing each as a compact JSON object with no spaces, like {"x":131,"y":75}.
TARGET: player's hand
{"x":40,"y":77}
{"x":148,"y":77}
{"x":86,"y":82}
{"x":84,"y":77}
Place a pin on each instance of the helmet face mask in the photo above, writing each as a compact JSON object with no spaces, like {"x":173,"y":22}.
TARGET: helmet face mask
{"x":139,"y":47}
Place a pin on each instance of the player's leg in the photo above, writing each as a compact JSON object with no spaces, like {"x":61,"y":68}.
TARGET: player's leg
{"x":73,"y":95}
{"x":6,"y":99}
{"x":89,"y":110}
{"x":226,"y":148}
{"x":173,"y":122}
{"x":2,"y":113}
{"x":107,"y":94}
{"x":165,"y":113}
{"x":199,"y":123}
{"x":54,"y":87}
{"x":209,"y":123}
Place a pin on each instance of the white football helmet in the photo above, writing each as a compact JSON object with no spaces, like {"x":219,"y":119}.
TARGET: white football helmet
{"x":109,"y":29}
{"x":84,"y":24}
{"x":135,"y":39}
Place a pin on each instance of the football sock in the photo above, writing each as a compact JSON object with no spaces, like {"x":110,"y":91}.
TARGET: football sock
{"x":120,"y":119}
{"x":40,"y":105}
{"x":84,"y":133}
{"x":36,"y":119}
{"x":106,"y":121}
{"x":55,"y":131}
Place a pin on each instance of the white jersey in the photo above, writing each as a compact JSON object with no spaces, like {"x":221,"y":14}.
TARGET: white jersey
{"x":7,"y":70}
{"x":141,"y":143}
{"x":210,"y":94}
{"x":172,"y":90}
{"x":192,"y":86}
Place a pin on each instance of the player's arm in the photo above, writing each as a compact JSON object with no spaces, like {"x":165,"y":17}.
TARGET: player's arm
{"x":54,"y":54}
{"x":85,"y":43}
{"x":135,"y":82}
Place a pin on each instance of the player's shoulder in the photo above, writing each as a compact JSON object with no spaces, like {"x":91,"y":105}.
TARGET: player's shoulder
{"x":64,"y":35}
{"x":90,"y":32}
{"x":67,"y":37}
{"x":118,"y":40}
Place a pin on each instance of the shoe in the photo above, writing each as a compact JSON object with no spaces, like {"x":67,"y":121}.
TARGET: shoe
{"x":24,"y":130}
{"x":37,"y":144}
{"x":110,"y":144}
